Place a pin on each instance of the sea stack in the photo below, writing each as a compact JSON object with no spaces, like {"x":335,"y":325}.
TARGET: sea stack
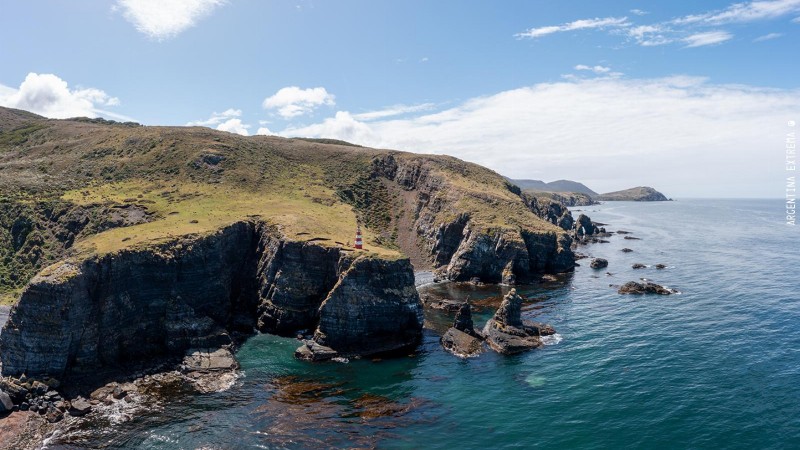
{"x":506,"y":333}
{"x":462,"y":339}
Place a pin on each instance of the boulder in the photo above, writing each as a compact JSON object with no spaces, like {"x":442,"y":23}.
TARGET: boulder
{"x":6,"y":405}
{"x":461,"y":343}
{"x":79,"y":407}
{"x":598,"y":263}
{"x":312,"y":351}
{"x":645,"y":287}
{"x":506,"y":333}
{"x":638,"y":266}
{"x":661,"y":266}
{"x":627,"y":250}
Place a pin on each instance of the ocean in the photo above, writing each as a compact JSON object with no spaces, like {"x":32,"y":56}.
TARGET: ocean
{"x":716,"y":366}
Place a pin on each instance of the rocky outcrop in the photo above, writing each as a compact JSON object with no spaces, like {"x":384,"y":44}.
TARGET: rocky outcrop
{"x":461,"y":247}
{"x":645,"y":287}
{"x":598,"y":263}
{"x":508,"y":334}
{"x":585,"y":226}
{"x":462,"y":339}
{"x":97,"y":316}
{"x":373,"y":308}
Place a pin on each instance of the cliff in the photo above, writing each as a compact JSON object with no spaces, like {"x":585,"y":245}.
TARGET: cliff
{"x":111,"y":312}
{"x":637,"y":194}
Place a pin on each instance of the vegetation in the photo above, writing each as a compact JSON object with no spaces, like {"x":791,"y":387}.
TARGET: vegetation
{"x":95,"y":186}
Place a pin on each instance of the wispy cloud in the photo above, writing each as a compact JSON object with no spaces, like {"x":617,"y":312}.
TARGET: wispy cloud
{"x":707,"y":38}
{"x":393,"y":111}
{"x":48,"y":95}
{"x":583,"y":24}
{"x":638,"y":12}
{"x":228,"y":120}
{"x":682,"y":125}
{"x":768,"y":37}
{"x":689,"y":29}
{"x":164,"y":19}
{"x":293,"y":101}
{"x":744,"y":12}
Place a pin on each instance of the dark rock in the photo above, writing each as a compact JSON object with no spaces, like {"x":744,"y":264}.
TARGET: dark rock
{"x":661,"y":266}
{"x":598,"y":263}
{"x":79,"y":407}
{"x":631,"y":238}
{"x":88,"y":318}
{"x":24,"y":406}
{"x":627,"y":250}
{"x":638,"y":266}
{"x":463,"y":320}
{"x":584,"y":226}
{"x":646,"y":287}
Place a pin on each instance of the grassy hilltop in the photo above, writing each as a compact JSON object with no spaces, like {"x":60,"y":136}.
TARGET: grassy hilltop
{"x":88,"y":186}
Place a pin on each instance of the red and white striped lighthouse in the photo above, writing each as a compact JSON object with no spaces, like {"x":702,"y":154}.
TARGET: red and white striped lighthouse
{"x":359,"y":241}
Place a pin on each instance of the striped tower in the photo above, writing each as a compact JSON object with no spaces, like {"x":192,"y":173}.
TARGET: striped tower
{"x":359,"y":241}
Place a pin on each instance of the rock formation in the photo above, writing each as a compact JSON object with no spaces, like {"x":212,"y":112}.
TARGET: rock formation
{"x":97,"y":316}
{"x":462,"y":339}
{"x":598,"y":263}
{"x":506,"y":332}
{"x":638,"y":266}
{"x":645,"y":287}
{"x":637,"y":194}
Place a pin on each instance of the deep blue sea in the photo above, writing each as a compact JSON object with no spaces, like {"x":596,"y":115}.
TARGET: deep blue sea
{"x":717,"y":366}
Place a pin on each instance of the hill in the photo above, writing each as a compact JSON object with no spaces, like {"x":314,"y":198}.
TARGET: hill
{"x":84,"y":187}
{"x":565,"y":198}
{"x":637,"y":194}
{"x":554,"y":186}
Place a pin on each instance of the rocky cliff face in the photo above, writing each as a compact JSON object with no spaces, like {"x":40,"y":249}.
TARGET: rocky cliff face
{"x":460,"y":246}
{"x":105,"y":313}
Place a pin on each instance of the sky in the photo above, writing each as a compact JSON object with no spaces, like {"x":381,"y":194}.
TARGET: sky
{"x":692,"y":98}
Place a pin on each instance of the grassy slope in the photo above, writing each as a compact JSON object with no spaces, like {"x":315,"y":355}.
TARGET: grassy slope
{"x":195,"y":180}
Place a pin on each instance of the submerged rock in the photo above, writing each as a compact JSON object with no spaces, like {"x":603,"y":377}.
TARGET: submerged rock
{"x":506,"y":333}
{"x":661,"y":266}
{"x":638,"y":266}
{"x":645,"y":287}
{"x":598,"y":263}
{"x":626,"y":250}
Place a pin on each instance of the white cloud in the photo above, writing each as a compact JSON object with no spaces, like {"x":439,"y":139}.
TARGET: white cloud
{"x":767,"y":37}
{"x":707,"y":38}
{"x":164,"y":19}
{"x":638,"y":12}
{"x":744,"y":12}
{"x":796,"y":20}
{"x":583,"y":24}
{"x":228,"y":120}
{"x":610,"y":133}
{"x":393,"y":111}
{"x":596,"y":69}
{"x":50,"y":96}
{"x":234,"y":126}
{"x":292,"y":101}
{"x":264,"y":131}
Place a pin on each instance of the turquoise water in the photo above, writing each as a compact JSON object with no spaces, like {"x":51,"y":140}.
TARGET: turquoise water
{"x":717,"y":366}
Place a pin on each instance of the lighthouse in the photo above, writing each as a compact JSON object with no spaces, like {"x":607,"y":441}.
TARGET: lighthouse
{"x":359,"y":241}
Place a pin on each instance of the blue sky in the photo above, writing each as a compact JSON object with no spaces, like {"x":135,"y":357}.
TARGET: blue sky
{"x":690,"y":97}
